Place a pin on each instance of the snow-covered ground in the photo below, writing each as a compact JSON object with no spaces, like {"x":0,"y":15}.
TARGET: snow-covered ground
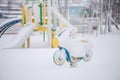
{"x":37,"y":64}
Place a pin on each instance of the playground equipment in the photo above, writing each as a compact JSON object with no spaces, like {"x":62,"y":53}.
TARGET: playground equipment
{"x":41,"y":16}
{"x":86,"y":21}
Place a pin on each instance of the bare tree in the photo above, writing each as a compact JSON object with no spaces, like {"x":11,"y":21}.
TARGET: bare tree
{"x":111,"y":11}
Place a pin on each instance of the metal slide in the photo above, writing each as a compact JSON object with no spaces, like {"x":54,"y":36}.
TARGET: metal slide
{"x":8,"y":21}
{"x":7,"y":24}
{"x":21,"y":37}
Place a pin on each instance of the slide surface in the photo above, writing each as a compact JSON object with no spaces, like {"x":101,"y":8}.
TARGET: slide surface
{"x":21,"y":37}
{"x":7,"y":24}
{"x":9,"y":21}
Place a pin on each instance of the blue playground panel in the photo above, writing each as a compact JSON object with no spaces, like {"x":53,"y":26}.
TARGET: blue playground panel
{"x":76,"y":10}
{"x":79,"y":10}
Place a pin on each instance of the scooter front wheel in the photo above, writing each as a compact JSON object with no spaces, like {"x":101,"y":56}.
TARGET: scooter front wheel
{"x":59,"y":57}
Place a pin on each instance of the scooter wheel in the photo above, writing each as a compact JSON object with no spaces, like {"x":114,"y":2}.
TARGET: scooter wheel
{"x":88,"y":56}
{"x":59,"y":57}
